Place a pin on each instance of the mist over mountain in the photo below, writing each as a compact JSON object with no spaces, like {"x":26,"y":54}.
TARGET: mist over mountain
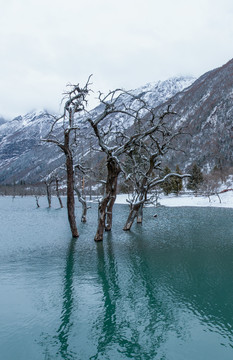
{"x":204,"y":108}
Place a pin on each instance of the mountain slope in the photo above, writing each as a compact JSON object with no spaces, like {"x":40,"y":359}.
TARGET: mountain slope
{"x":204,"y":108}
{"x":2,"y":120}
{"x":205,"y":111}
{"x":24,"y":157}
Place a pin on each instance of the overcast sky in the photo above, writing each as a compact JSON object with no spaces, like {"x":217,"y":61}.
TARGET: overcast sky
{"x":46,"y":44}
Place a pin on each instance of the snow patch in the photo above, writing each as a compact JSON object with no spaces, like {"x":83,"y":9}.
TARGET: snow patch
{"x":189,"y":200}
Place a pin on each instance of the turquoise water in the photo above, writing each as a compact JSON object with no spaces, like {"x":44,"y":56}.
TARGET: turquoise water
{"x":162,"y":291}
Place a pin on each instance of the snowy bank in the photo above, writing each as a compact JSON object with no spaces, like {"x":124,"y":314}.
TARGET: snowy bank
{"x":190,"y":200}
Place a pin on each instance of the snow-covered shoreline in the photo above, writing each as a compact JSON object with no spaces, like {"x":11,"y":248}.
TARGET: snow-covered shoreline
{"x":190,"y":200}
{"x":226,"y":199}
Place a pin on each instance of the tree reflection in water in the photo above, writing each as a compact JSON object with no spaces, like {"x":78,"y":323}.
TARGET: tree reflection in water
{"x":129,"y":294}
{"x":107,"y":274}
{"x":148,"y":301}
{"x":67,"y":306}
{"x":153,"y":295}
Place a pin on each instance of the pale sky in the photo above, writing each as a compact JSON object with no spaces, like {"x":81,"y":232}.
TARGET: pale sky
{"x":46,"y":44}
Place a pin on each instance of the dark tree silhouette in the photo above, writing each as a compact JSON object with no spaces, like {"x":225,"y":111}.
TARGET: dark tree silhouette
{"x":75,"y":104}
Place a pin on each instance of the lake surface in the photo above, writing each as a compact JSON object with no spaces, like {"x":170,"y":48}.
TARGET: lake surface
{"x":162,"y":291}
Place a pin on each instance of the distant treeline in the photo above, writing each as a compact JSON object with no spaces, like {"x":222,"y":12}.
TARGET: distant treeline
{"x":24,"y":189}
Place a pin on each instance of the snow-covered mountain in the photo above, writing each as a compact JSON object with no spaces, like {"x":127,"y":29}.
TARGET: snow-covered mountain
{"x":2,"y":120}
{"x":204,"y":107}
{"x":24,"y":157}
{"x":205,"y":111}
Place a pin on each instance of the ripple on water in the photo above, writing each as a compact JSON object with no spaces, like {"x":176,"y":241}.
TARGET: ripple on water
{"x":161,"y":291}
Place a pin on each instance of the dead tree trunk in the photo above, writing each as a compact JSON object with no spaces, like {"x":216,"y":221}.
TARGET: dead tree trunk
{"x":111,"y":202}
{"x":140,"y":214}
{"x":70,"y":194}
{"x":132,"y":215}
{"x":141,"y":198}
{"x":37,"y":201}
{"x":101,"y":218}
{"x":114,"y":142}
{"x":136,"y":208}
{"x":82,"y":200}
{"x":84,"y":207}
{"x":48,"y":192}
{"x":75,"y":103}
{"x":58,"y":193}
{"x":111,"y":188}
{"x":107,"y":202}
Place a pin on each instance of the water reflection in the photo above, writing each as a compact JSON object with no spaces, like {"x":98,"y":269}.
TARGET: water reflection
{"x":149,"y":299}
{"x":107,"y":276}
{"x":192,"y":282}
{"x":162,"y":291}
{"x":135,"y":318}
{"x":155,"y":296}
{"x":67,"y":306}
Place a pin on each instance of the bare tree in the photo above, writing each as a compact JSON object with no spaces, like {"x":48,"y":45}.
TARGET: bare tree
{"x":37,"y":201}
{"x":81,"y":197}
{"x":142,"y":197}
{"x":144,"y":165}
{"x":58,"y":191}
{"x":54,"y":177}
{"x":210,"y":186}
{"x":90,"y":165}
{"x":48,"y":183}
{"x":117,"y":139}
{"x":75,"y":103}
{"x":103,"y":129}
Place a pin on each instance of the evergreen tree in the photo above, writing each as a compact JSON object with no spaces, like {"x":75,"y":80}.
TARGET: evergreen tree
{"x":177,"y":182}
{"x":196,"y":178}
{"x":167,"y":184}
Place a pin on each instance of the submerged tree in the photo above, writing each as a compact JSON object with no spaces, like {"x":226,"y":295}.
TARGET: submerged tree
{"x":112,"y":163}
{"x":57,"y":179}
{"x":118,"y":139}
{"x":125,"y":126}
{"x":146,"y":158}
{"x":54,"y":177}
{"x":37,"y":201}
{"x":81,"y":197}
{"x":75,"y":103}
{"x":48,"y":183}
